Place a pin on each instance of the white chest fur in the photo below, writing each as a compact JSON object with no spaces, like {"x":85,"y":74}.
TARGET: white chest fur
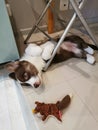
{"x":38,"y":54}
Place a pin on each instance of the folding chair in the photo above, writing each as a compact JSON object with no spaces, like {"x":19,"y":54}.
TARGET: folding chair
{"x":76,"y":13}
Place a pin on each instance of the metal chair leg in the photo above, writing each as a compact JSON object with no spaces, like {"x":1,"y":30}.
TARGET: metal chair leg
{"x":40,"y":18}
{"x":83,"y":21}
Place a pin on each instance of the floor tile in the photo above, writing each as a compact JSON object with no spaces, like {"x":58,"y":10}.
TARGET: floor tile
{"x":76,"y":116}
{"x":88,"y":92}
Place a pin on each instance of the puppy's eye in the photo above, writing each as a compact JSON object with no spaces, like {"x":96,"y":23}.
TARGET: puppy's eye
{"x":26,"y":76}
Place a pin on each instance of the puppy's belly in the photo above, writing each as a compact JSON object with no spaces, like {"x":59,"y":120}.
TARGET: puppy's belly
{"x":71,"y":47}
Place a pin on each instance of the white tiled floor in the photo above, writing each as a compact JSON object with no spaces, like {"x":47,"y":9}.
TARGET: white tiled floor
{"x":73,"y":76}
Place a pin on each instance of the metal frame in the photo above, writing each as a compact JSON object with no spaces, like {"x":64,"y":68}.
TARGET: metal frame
{"x":77,"y":13}
{"x":37,"y":23}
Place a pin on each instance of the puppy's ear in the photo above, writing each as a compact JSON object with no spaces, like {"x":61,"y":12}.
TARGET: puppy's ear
{"x":12,"y":66}
{"x":12,"y":75}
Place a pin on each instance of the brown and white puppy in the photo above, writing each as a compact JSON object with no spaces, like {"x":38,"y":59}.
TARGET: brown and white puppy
{"x":29,"y":68}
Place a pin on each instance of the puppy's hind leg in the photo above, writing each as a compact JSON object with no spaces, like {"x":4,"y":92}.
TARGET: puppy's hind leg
{"x":89,"y":50}
{"x":89,"y":58}
{"x":79,"y":53}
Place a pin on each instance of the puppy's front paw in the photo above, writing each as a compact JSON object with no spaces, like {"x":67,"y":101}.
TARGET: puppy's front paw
{"x":47,"y":51}
{"x":33,"y":50}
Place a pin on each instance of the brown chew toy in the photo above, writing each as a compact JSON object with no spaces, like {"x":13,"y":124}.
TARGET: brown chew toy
{"x":52,"y":109}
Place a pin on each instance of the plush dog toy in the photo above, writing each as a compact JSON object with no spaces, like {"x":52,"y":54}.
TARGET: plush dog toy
{"x":54,"y":109}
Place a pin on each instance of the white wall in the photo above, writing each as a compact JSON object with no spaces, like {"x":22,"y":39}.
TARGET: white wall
{"x":25,"y":17}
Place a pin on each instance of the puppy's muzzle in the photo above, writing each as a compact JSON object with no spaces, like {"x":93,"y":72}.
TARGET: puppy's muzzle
{"x":37,"y":84}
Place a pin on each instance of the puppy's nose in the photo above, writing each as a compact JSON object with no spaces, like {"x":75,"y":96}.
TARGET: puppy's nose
{"x":36,"y":85}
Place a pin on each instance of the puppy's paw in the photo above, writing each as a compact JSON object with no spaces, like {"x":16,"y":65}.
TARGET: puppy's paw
{"x":90,"y":59}
{"x":47,"y":51}
{"x":33,"y":50}
{"x":89,"y":50}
